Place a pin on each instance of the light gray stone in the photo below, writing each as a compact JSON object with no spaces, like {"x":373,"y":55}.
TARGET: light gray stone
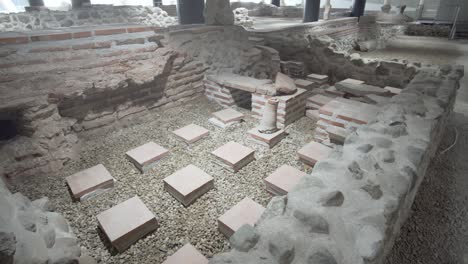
{"x":281,"y":248}
{"x":321,"y":256}
{"x":369,"y":242}
{"x":334,"y":198}
{"x":315,"y":222}
{"x":244,"y":238}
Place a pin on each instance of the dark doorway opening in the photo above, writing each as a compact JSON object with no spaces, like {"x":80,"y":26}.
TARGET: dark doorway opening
{"x":8,"y":129}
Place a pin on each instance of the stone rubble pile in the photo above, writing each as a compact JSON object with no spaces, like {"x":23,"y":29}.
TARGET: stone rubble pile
{"x":30,"y":232}
{"x":242,"y":18}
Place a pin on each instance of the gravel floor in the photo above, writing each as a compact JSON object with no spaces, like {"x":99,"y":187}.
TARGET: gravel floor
{"x":178,"y":225}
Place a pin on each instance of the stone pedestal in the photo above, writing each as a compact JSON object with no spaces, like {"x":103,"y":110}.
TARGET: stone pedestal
{"x":313,"y":153}
{"x":268,"y":140}
{"x":233,"y":156}
{"x":187,"y":184}
{"x":282,"y":180}
{"x":191,"y":133}
{"x":186,"y":254}
{"x":90,"y":182}
{"x":226,"y":118}
{"x":245,"y":212}
{"x":146,"y":156}
{"x":127,"y":222}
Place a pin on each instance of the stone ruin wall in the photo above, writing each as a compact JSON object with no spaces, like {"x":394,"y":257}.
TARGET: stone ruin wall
{"x":326,"y":48}
{"x":352,"y":206}
{"x":86,"y":16}
{"x":96,"y":91}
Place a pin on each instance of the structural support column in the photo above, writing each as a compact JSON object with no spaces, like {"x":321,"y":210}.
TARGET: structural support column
{"x":387,"y":6}
{"x":190,"y":11}
{"x":311,"y":10}
{"x":420,"y":9}
{"x":157,"y":3}
{"x":275,"y":2}
{"x":358,"y":8}
{"x":80,"y":3}
{"x":36,"y":5}
{"x":326,"y":10}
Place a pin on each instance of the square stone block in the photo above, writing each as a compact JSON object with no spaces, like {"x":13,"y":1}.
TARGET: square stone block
{"x":393,"y":90}
{"x":282,"y":180}
{"x":269,"y":140}
{"x":146,"y":156}
{"x":191,"y":133}
{"x":186,"y":254}
{"x":353,"y":81}
{"x":89,"y":182}
{"x":228,"y":115}
{"x":187,"y":184}
{"x":317,"y":78}
{"x":245,"y":212}
{"x":313,"y":152}
{"x":233,"y":156}
{"x":127,"y":222}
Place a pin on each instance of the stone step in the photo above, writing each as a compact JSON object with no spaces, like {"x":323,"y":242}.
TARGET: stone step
{"x":283,"y":179}
{"x":191,"y":133}
{"x":233,"y":156}
{"x":245,"y":212}
{"x":86,"y":183}
{"x":146,"y":156}
{"x":127,"y":222}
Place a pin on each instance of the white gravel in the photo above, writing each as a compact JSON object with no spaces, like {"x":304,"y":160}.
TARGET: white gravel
{"x":197,"y":223}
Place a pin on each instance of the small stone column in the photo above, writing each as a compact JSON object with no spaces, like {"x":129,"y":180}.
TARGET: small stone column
{"x":387,"y":6}
{"x":190,"y":11}
{"x":35,"y":5}
{"x":311,"y":11}
{"x":358,"y":8}
{"x":276,"y":2}
{"x":420,"y":10}
{"x":326,"y":10}
{"x":81,"y":3}
{"x":268,"y":122}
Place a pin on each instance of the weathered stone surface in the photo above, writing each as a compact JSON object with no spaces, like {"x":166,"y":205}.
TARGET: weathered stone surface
{"x":284,"y":84}
{"x":218,"y":12}
{"x":334,"y":198}
{"x":315,"y":222}
{"x":244,"y":239}
{"x":7,"y":247}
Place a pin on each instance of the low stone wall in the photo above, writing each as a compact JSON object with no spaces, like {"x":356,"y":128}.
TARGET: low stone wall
{"x":414,"y":29}
{"x":94,"y":15}
{"x":324,"y":48}
{"x":352,"y":206}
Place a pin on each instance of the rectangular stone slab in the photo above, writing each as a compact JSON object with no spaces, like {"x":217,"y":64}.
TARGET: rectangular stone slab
{"x":228,"y":115}
{"x":90,"y":180}
{"x":234,"y":156}
{"x":318,"y":78}
{"x":146,"y":156}
{"x":245,"y":212}
{"x":127,"y":222}
{"x":269,"y":140}
{"x":191,"y":133}
{"x":283,"y":180}
{"x":313,"y":152}
{"x":186,"y":254}
{"x":187,"y":184}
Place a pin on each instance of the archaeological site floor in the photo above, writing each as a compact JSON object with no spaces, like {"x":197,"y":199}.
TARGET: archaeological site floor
{"x":179,"y":225}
